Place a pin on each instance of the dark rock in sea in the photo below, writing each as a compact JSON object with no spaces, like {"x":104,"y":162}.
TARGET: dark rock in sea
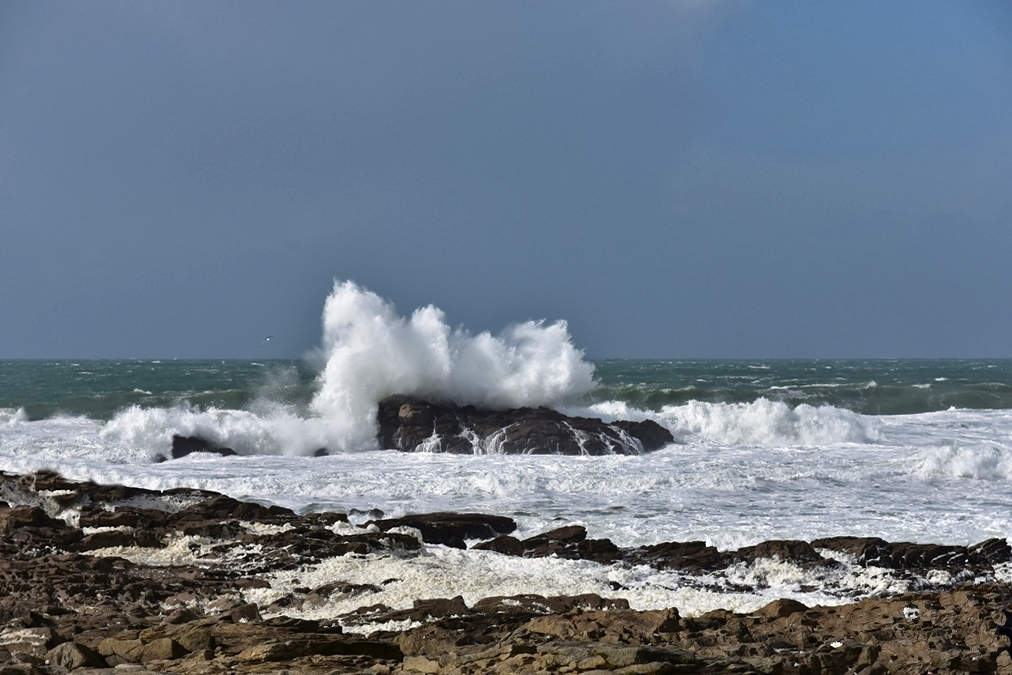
{"x":451,"y":529}
{"x":565,"y":542}
{"x":691,"y":556}
{"x":798,"y":552}
{"x":185,"y":445}
{"x":362,"y":515}
{"x":410,"y":424}
{"x":872,"y":551}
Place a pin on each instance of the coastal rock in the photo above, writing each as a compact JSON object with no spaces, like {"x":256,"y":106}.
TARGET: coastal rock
{"x":186,"y":445}
{"x":693,"y":556}
{"x":73,"y":655}
{"x":565,"y":542}
{"x":204,"y":604}
{"x":872,"y":551}
{"x":410,"y":424}
{"x":451,"y":529}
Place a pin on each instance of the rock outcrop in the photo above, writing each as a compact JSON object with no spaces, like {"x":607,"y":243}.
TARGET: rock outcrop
{"x":89,"y":581}
{"x":410,"y":424}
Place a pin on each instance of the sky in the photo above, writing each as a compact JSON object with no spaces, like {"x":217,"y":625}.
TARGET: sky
{"x":695,"y":179}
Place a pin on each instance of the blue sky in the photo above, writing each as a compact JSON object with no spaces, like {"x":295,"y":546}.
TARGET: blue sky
{"x":706,"y":178}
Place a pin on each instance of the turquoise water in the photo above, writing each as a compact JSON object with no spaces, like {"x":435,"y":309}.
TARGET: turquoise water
{"x":99,"y":389}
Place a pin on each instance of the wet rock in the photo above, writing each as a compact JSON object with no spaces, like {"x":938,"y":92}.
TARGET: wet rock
{"x":451,"y":529}
{"x":222,"y":507}
{"x":799,"y":552}
{"x":691,"y":556}
{"x":565,"y":542}
{"x":410,"y":424}
{"x":248,"y":612}
{"x":196,"y":616}
{"x":990,"y":551}
{"x":539,"y":604}
{"x":186,"y":445}
{"x":426,"y":610}
{"x":505,"y":544}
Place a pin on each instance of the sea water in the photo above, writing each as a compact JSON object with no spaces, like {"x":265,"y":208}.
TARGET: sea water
{"x":906,"y":450}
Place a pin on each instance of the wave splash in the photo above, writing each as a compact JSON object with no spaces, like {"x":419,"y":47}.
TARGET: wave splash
{"x":371,"y":352}
{"x":761,"y":422}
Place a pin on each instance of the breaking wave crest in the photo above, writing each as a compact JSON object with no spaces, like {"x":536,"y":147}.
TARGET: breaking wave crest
{"x":371,"y":352}
{"x":761,"y":422}
{"x":977,"y":462}
{"x":764,"y":422}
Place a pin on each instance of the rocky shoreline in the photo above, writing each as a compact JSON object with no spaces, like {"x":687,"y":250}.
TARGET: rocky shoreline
{"x":95,"y":577}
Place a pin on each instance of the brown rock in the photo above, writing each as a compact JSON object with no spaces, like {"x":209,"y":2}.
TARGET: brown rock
{"x":129,"y":651}
{"x":71,"y":655}
{"x":162,"y":649}
{"x":35,"y":641}
{"x":506,"y":544}
{"x":420,"y":664}
{"x":245,"y":613}
{"x":780,"y":608}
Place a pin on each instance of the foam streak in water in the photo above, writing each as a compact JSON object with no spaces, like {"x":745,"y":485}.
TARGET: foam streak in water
{"x":372,"y":352}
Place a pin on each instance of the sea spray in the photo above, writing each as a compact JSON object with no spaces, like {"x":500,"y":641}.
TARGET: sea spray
{"x":372,"y":352}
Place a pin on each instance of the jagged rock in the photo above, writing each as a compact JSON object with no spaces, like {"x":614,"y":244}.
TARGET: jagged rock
{"x":34,"y":640}
{"x":991,"y":551}
{"x":72,"y":655}
{"x":906,"y":555}
{"x":539,"y":604}
{"x":692,"y":556}
{"x":249,"y":612}
{"x":565,"y":542}
{"x":451,"y":529}
{"x":410,"y":424}
{"x":799,"y":552}
{"x":125,"y":650}
{"x":91,"y":612}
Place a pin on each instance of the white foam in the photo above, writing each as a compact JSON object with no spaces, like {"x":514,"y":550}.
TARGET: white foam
{"x":10,"y":416}
{"x":153,"y":428}
{"x":440,"y":572}
{"x":761,"y":422}
{"x":982,"y":462}
{"x":372,"y":352}
{"x":765,"y":422}
{"x":178,"y":552}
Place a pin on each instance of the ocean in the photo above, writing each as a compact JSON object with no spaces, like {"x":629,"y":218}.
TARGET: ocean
{"x":907,"y":450}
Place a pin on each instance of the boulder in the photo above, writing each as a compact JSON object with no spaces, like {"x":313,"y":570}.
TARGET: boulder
{"x":71,"y":655}
{"x":410,"y":424}
{"x":186,"y":445}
